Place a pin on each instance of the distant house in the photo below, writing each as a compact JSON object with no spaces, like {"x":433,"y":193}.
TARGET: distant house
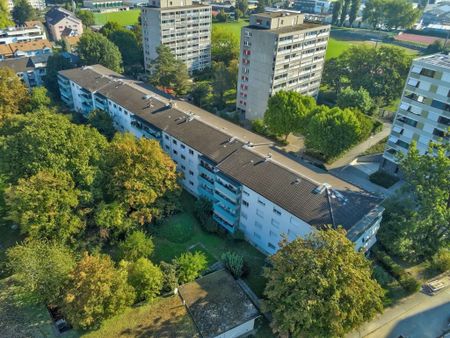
{"x":218,"y":306}
{"x":36,"y":4}
{"x":101,"y":4}
{"x":31,"y":70}
{"x":32,"y":30}
{"x":63,"y":23}
{"x":31,"y":48}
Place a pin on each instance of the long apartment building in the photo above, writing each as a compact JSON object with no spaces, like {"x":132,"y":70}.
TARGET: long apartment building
{"x":279,"y":51}
{"x":424,"y":112}
{"x":32,"y":30}
{"x":253,"y":186}
{"x":182,"y":26}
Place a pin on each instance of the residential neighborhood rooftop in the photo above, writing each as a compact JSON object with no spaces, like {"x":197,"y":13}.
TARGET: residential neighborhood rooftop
{"x":24,"y":46}
{"x":217,"y":303}
{"x":23,"y":64}
{"x":440,"y":60}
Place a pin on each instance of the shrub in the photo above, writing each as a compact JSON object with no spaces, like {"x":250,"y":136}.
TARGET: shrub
{"x":190,"y":265}
{"x":383,"y":179}
{"x":258,"y":126}
{"x":238,"y":236}
{"x":146,"y":279}
{"x":203,"y":212}
{"x":170,"y":279}
{"x":135,"y":246}
{"x":441,"y":260}
{"x":233,"y":262}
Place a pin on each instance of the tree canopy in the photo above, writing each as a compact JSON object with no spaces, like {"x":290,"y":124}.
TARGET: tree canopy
{"x":224,"y":45}
{"x":390,"y":14}
{"x":87,"y":17}
{"x":327,"y":283}
{"x":136,"y":245}
{"x":39,"y":99}
{"x":14,"y":96}
{"x":350,"y":98}
{"x":103,"y":122}
{"x":5,"y":20}
{"x":94,"y":48}
{"x":146,"y":278}
{"x":55,"y":63}
{"x":189,"y":266}
{"x":128,"y":45}
{"x":22,"y":12}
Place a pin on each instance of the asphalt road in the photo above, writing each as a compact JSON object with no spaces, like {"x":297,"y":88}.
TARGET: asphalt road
{"x":418,"y":316}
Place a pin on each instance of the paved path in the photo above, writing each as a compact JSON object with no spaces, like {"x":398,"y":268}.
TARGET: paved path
{"x":418,"y":316}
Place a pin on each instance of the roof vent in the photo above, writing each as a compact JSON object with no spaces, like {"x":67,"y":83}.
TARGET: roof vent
{"x":267,"y":157}
{"x":249,"y":144}
{"x":232,"y":139}
{"x":147,"y":97}
{"x":321,"y":188}
{"x":297,"y":181}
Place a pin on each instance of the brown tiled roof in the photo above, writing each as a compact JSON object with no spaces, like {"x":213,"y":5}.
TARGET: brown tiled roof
{"x":11,"y":48}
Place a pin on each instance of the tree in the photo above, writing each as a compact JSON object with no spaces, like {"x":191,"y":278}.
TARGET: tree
{"x":437,"y":47}
{"x":44,"y":205}
{"x":110,"y":27}
{"x":373,"y":12}
{"x":128,"y":45}
{"x":141,"y":176}
{"x":146,"y":278}
{"x":222,"y":81}
{"x":112,"y":219}
{"x":189,"y":266}
{"x":39,"y":99}
{"x":327,"y":283}
{"x":233,"y":262}
{"x":243,"y":6}
{"x":349,"y":98}
{"x":224,"y":46}
{"x":332,"y":131}
{"x":354,"y":9}
{"x":49,"y":141}
{"x":96,"y":291}
{"x":390,"y":14}
{"x":87,"y":17}
{"x":168,"y":72}
{"x":94,"y":48}
{"x":261,"y":7}
{"x":136,"y":245}
{"x":337,"y":9}
{"x":22,"y":12}
{"x":287,"y":112}
{"x":222,"y":16}
{"x":5,"y":20}
{"x":237,"y":14}
{"x":170,"y":279}
{"x":201,"y":93}
{"x":344,"y":11}
{"x":42,"y":268}
{"x":55,"y":63}
{"x":14,"y":93}
{"x":103,"y":122}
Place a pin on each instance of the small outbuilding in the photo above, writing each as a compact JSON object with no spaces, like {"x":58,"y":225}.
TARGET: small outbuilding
{"x":219,"y":306}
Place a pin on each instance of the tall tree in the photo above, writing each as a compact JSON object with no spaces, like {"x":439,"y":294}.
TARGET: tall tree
{"x":94,"y":48}
{"x":22,"y":12}
{"x":146,"y":278}
{"x":354,"y":9}
{"x":39,"y":99}
{"x":87,"y":17}
{"x":288,"y":112}
{"x":14,"y":97}
{"x":344,"y":11}
{"x":44,"y":206}
{"x":168,"y":72}
{"x":243,"y":6}
{"x":109,"y":27}
{"x":190,"y":265}
{"x":400,"y":13}
{"x":141,"y":176}
{"x":337,"y":10}
{"x":201,"y":93}
{"x":55,"y":63}
{"x":350,"y":98}
{"x":103,"y":122}
{"x":5,"y":20}
{"x":128,"y":45}
{"x":327,"y":283}
{"x":42,"y":268}
{"x":96,"y":291}
{"x":373,"y":12}
{"x":136,"y":245}
{"x":224,"y":45}
{"x":112,"y":220}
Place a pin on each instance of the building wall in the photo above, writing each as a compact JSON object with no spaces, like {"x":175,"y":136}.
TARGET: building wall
{"x":270,"y":62}
{"x":36,"y":4}
{"x":21,"y":35}
{"x":238,"y":331}
{"x":423,"y":115}
{"x":33,"y":78}
{"x":56,"y":30}
{"x":187,"y":31}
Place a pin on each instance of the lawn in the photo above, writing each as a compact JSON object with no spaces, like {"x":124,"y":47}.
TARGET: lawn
{"x":124,"y":18}
{"x":182,"y":232}
{"x":377,"y":148}
{"x":234,"y":26}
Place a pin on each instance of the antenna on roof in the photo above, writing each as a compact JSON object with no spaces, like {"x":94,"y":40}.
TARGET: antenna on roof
{"x":232,"y":139}
{"x":297,"y":181}
{"x":321,"y":188}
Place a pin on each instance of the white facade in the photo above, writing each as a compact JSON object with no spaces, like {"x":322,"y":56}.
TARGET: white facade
{"x":36,"y":4}
{"x":183,"y":27}
{"x":21,"y":34}
{"x":238,"y":331}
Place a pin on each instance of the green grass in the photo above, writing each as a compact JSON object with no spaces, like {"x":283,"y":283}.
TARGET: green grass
{"x":376,"y":148}
{"x":233,"y":26}
{"x":124,"y":18}
{"x":167,"y":246}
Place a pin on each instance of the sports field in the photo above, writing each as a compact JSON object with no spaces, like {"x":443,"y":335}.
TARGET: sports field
{"x":234,"y":26}
{"x":124,"y":18}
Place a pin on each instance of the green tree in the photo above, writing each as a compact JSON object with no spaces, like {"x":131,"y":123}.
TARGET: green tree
{"x":46,"y":140}
{"x":344,"y":11}
{"x":332,"y":131}
{"x":141,"y":176}
{"x":190,"y":265}
{"x":96,"y":291}
{"x":224,"y":45}
{"x":112,"y":220}
{"x":373,"y":12}
{"x":354,"y":9}
{"x":128,"y":45}
{"x":337,"y":10}
{"x":103,"y":122}
{"x":233,"y":262}
{"x":437,"y":47}
{"x":170,"y":279}
{"x":14,"y":95}
{"x":288,"y":112}
{"x":5,"y":20}
{"x":326,"y":281}
{"x":136,"y":245}
{"x":168,"y":72}
{"x":237,"y":14}
{"x":110,"y":27}
{"x":243,"y":6}
{"x":222,"y":82}
{"x":55,"y":63}
{"x":146,"y":278}
{"x":261,"y":7}
{"x":400,"y":13}
{"x":94,"y":48}
{"x":22,"y":12}
{"x":201,"y":93}
{"x":42,"y":268}
{"x":349,"y":98}
{"x":44,"y":205}
{"x":39,"y":99}
{"x":87,"y":17}
{"x":222,"y":16}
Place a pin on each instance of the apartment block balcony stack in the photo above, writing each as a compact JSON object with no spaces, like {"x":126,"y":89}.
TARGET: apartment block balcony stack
{"x":227,"y":194}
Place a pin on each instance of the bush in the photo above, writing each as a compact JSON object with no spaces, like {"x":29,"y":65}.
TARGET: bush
{"x":190,"y":265}
{"x":406,"y":281}
{"x":383,"y":179}
{"x":146,"y":279}
{"x":203,"y":212}
{"x":441,"y":260}
{"x":233,"y":262}
{"x":170,"y":279}
{"x":238,"y":236}
{"x":258,"y":126}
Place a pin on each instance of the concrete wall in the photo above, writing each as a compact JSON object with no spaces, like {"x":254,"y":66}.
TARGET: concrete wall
{"x":238,"y":331}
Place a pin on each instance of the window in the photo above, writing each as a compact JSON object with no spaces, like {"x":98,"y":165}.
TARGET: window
{"x":259,"y":213}
{"x":174,"y":142}
{"x":402,"y":144}
{"x":256,"y":235}
{"x":167,"y":147}
{"x":191,"y":152}
{"x":191,"y":172}
{"x":427,"y":72}
{"x":182,"y":146}
{"x":183,"y":167}
{"x":261,"y":202}
{"x":245,"y":203}
{"x":270,"y":245}
{"x":166,"y":137}
{"x":175,"y":152}
{"x":444,"y":120}
{"x":258,"y":225}
{"x":243,"y":215}
{"x":273,"y":234}
{"x":183,"y":157}
{"x":191,"y":183}
{"x":275,"y":223}
{"x":276,"y":211}
{"x":246,"y":193}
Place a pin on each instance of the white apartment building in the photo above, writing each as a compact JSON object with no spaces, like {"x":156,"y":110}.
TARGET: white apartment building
{"x":279,"y":51}
{"x":424,"y":112}
{"x":253,"y":188}
{"x":181,"y":25}
{"x":31,"y":70}
{"x":36,"y":4}
{"x":32,"y":30}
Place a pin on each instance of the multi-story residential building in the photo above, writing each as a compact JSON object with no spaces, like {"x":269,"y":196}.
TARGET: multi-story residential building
{"x":314,"y":6}
{"x":180,"y":25}
{"x":102,"y":4}
{"x":31,"y":48}
{"x":424,"y":112}
{"x":32,"y":30}
{"x":63,"y":23}
{"x":31,"y":70}
{"x":279,"y":51}
{"x":253,"y":187}
{"x":36,"y":4}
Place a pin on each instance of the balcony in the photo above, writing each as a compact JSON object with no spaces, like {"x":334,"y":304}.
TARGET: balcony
{"x":206,"y":192}
{"x":223,"y":223}
{"x":225,"y":201}
{"x":206,"y":180}
{"x":227,"y":190}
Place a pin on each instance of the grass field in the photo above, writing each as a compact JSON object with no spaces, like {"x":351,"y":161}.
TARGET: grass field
{"x":234,"y":26}
{"x":182,"y":231}
{"x":123,"y":18}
